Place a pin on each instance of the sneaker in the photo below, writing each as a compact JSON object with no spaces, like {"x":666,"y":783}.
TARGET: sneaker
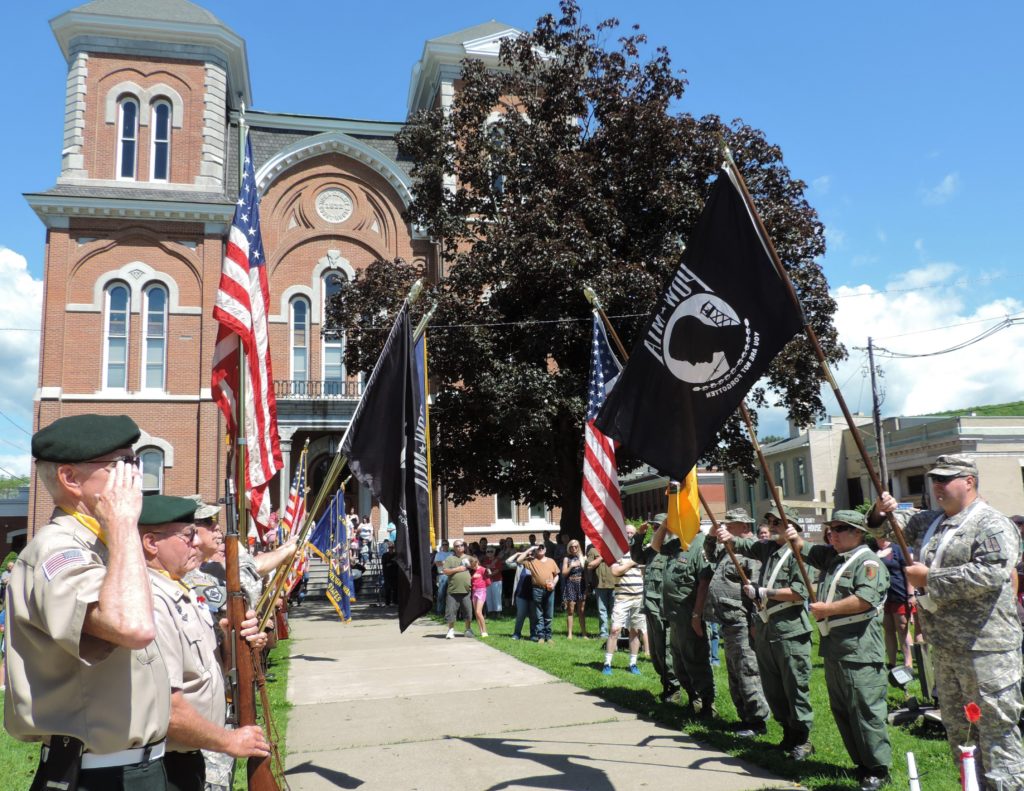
{"x":450,"y":635}
{"x":634,"y":670}
{"x":468,"y":633}
{"x":516,"y":637}
{"x":801,"y":751}
{"x":607,"y":670}
{"x":483,"y":634}
{"x":873,"y":782}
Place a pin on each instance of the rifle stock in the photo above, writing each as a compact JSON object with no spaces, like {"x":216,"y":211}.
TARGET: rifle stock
{"x":241,"y":676}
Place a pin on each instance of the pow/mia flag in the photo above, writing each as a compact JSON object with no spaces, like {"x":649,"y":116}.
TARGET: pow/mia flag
{"x":386,"y":451}
{"x":724,"y":316}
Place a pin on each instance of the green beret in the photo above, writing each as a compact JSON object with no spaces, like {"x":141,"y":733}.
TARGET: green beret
{"x":852,"y":518}
{"x":84,"y":437}
{"x":161,"y":509}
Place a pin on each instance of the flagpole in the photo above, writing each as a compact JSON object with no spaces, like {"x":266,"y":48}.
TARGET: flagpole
{"x":776,"y":497}
{"x":265,"y":606}
{"x":259,"y":770}
{"x":592,"y":298}
{"x":733,"y":170}
{"x":744,"y":580}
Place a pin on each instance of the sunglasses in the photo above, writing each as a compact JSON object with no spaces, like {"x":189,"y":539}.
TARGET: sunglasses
{"x":840,"y":528}
{"x":943,"y":479}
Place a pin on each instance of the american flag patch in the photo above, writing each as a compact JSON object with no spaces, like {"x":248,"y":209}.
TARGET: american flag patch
{"x":55,"y":564}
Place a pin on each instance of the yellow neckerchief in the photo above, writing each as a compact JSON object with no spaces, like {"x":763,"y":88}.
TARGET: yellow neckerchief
{"x":179,"y":583}
{"x":87,"y":521}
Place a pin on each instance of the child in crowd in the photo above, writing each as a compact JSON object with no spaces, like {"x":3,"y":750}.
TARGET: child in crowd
{"x":481,"y":581}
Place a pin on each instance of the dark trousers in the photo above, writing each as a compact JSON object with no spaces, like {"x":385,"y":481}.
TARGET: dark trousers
{"x":543,"y":611}
{"x":137,"y":777}
{"x":661,"y":656}
{"x":185,"y":771}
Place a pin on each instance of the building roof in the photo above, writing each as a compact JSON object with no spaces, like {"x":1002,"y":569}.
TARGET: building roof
{"x":157,"y":10}
{"x":473,"y":33}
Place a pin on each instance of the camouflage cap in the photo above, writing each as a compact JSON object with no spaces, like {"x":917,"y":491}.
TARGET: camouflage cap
{"x":738,"y":515}
{"x":78,"y":438}
{"x":791,"y":515}
{"x":203,"y":510}
{"x":162,"y":509}
{"x":845,"y":517}
{"x":954,"y":465}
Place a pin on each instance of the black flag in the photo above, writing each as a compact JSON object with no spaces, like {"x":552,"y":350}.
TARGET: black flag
{"x":385,"y":451}
{"x":725,"y":315}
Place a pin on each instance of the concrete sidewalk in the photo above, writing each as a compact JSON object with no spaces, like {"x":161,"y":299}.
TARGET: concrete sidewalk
{"x":375,"y":709}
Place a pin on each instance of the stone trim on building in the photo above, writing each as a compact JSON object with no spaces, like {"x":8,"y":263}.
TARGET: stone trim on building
{"x":73,"y":160}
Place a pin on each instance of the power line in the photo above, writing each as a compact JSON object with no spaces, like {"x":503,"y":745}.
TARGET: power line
{"x":15,"y":424}
{"x":1002,"y":325}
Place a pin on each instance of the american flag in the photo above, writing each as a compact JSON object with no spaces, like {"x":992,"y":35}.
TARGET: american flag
{"x":601,"y":504}
{"x":241,"y":310}
{"x":294,"y":514}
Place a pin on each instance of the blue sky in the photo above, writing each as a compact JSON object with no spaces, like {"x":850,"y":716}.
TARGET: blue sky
{"x":904,"y":119}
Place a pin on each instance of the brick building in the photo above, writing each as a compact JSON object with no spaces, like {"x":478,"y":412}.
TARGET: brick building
{"x":135,"y":231}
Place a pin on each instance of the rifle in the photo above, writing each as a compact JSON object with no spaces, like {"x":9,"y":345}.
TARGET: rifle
{"x":241,"y":676}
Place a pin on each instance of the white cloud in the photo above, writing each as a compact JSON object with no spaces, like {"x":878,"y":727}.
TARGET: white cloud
{"x":988,"y":372}
{"x":822,"y":184}
{"x":20,"y":314}
{"x":943,"y":191}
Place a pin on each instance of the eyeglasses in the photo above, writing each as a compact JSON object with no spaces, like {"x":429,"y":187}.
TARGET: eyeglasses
{"x":187,"y":535}
{"x":129,"y":460}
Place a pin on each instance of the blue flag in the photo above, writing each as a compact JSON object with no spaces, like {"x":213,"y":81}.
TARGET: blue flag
{"x":324,"y":537}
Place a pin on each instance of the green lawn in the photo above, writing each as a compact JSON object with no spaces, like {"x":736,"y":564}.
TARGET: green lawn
{"x":579,"y":662}
{"x":18,"y":760}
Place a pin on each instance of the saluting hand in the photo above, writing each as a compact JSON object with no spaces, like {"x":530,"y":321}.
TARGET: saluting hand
{"x":248,"y":741}
{"x":119,"y":503}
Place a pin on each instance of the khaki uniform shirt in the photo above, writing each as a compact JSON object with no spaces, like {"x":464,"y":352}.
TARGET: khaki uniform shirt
{"x":184,"y":632}
{"x":62,"y":681}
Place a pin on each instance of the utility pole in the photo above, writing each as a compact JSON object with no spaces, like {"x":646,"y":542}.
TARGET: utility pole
{"x":876,"y":407}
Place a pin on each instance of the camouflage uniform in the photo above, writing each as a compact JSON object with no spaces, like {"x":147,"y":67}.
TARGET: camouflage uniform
{"x":970,"y":620}
{"x":691,"y":653}
{"x":726,"y":605}
{"x":657,"y":624}
{"x":782,"y":641}
{"x":853,"y":649}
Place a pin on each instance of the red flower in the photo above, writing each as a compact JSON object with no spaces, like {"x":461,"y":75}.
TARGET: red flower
{"x":972,"y":711}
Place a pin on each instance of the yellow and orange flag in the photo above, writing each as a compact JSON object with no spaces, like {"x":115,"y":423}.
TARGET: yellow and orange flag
{"x":684,"y":508}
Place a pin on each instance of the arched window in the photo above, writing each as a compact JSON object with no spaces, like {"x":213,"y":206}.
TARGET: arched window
{"x":154,"y":342}
{"x":300,"y":342}
{"x":160,"y":131}
{"x":152,"y":471}
{"x":127,"y":137}
{"x":115,"y":365}
{"x":333,"y":342}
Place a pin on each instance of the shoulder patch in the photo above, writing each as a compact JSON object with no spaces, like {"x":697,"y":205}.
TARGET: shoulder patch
{"x":870,"y":562}
{"x":870,"y":571}
{"x":60,"y":561}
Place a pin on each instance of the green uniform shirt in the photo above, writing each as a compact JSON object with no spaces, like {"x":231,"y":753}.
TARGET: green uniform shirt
{"x":654,"y":583}
{"x":685,"y":568}
{"x":867,"y":578}
{"x":461,"y":582}
{"x":788,"y":622}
